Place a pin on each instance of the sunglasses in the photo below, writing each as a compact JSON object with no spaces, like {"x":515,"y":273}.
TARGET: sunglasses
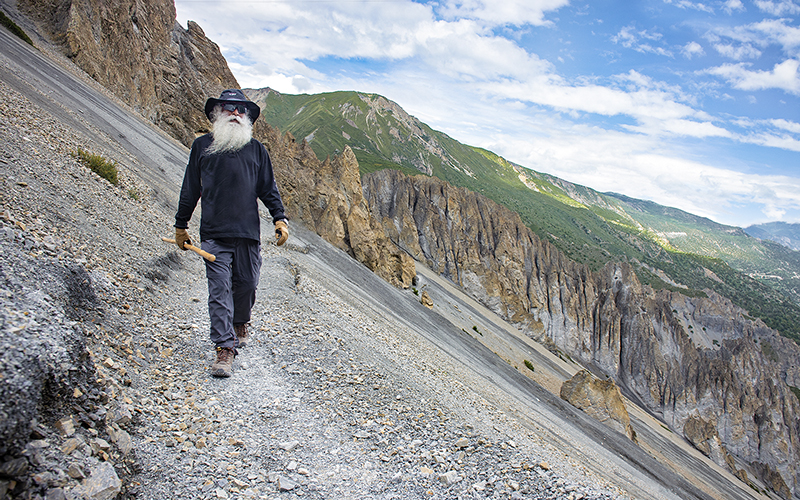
{"x":240,"y":108}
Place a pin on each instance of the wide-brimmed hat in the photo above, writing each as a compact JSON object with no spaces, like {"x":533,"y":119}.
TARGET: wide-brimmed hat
{"x":233,"y":96}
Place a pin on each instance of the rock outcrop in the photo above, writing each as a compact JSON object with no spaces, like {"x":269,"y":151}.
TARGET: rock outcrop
{"x":327,"y":196}
{"x":599,"y":399}
{"x":141,"y":53}
{"x":682,"y":358}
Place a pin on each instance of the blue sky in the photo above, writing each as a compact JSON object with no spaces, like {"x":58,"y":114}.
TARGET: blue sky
{"x":690,"y":104}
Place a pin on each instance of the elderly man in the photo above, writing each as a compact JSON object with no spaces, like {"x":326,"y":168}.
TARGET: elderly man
{"x":232,"y":171}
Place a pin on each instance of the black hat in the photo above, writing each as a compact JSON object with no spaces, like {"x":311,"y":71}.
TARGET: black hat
{"x":233,"y":95}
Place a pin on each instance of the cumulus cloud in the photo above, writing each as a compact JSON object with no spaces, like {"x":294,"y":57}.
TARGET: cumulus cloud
{"x":692,"y":49}
{"x":781,"y":8}
{"x":783,"y":76}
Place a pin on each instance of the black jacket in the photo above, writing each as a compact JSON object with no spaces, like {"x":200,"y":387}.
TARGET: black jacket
{"x":231,"y":185}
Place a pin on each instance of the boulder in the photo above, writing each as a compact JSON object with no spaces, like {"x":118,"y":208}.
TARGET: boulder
{"x":599,"y":399}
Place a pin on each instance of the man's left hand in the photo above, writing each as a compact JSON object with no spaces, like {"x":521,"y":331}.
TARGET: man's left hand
{"x":281,"y":231}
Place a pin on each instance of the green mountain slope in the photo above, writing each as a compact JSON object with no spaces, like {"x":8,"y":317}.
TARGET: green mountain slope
{"x":671,"y":248}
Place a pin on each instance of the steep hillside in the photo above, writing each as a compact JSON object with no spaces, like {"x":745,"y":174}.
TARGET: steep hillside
{"x":787,"y":235}
{"x":670,"y":249}
{"x":696,"y":363}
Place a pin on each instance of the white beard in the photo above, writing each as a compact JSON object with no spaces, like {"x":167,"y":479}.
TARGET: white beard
{"x":231,"y":133}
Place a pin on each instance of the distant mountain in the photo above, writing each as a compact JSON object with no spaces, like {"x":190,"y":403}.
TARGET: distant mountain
{"x":784,"y":233}
{"x":670,"y":248}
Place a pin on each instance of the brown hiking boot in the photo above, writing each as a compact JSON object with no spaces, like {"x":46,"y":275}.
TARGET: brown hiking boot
{"x":241,"y":334}
{"x":223,"y":366}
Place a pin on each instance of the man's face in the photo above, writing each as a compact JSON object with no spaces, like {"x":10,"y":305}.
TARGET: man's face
{"x":231,"y":127}
{"x":234,"y":112}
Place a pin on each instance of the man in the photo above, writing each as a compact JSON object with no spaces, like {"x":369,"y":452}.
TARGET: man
{"x":232,"y":171}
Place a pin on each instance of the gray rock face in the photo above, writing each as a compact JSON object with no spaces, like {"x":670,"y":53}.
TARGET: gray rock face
{"x":139,"y":52}
{"x":684,"y":359}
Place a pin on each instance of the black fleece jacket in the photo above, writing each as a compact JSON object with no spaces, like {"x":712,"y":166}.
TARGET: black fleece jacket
{"x":231,"y":185}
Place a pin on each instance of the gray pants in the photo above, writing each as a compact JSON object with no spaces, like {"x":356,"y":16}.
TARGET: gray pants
{"x":232,"y":283}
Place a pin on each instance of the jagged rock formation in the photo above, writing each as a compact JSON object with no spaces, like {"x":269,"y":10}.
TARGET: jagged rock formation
{"x":141,"y":53}
{"x":684,"y":359}
{"x":601,"y":399}
{"x":327,"y":196}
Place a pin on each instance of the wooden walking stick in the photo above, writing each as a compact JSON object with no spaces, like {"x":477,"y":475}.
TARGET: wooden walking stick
{"x":199,"y":251}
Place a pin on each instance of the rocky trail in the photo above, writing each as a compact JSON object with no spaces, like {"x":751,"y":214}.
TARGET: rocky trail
{"x":343,"y":392}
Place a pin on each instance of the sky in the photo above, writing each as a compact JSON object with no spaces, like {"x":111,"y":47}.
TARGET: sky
{"x":690,"y":104}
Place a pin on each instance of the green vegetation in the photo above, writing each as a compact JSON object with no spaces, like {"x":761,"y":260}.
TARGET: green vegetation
{"x":668,"y":248}
{"x":529,"y":365}
{"x":106,"y":169}
{"x":14,"y":28}
{"x":796,"y":391}
{"x":769,"y":351}
{"x":474,"y":327}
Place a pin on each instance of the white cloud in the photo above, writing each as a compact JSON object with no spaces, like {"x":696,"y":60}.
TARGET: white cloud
{"x":733,"y":5}
{"x":748,"y":41}
{"x":692,"y":49}
{"x":685,"y":4}
{"x":783,"y":76}
{"x":737,"y":53}
{"x":781,"y":8}
{"x":506,"y":12}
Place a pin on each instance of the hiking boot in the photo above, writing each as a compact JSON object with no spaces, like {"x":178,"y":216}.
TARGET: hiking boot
{"x":223,"y":366}
{"x":241,"y":334}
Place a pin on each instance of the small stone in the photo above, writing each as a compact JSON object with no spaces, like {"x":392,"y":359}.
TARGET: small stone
{"x":544,"y":465}
{"x":75,"y":472}
{"x":286,"y":484}
{"x":462,"y":443}
{"x":289,"y":445}
{"x":450,"y":477}
{"x":66,"y":426}
{"x":14,"y":468}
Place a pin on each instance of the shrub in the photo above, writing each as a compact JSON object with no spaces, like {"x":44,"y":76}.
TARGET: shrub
{"x":104,"y":168}
{"x":13,"y":28}
{"x":529,"y":365}
{"x":475,"y":327}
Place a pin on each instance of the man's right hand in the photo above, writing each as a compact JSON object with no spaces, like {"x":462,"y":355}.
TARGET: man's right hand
{"x":181,"y":237}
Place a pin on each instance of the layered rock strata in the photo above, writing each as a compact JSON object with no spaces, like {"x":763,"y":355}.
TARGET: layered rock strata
{"x":687,"y":360}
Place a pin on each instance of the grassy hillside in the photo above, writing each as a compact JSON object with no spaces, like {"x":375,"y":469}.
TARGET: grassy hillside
{"x":671,"y":248}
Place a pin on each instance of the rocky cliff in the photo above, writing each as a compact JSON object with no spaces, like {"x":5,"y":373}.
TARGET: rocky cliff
{"x":139,"y":52}
{"x":327,"y":196}
{"x":707,"y":371}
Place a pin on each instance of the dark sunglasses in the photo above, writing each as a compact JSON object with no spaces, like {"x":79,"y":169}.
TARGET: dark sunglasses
{"x":241,"y":108}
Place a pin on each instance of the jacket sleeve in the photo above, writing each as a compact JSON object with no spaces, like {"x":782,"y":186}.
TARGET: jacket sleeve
{"x":267,"y":190}
{"x":190,"y":189}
